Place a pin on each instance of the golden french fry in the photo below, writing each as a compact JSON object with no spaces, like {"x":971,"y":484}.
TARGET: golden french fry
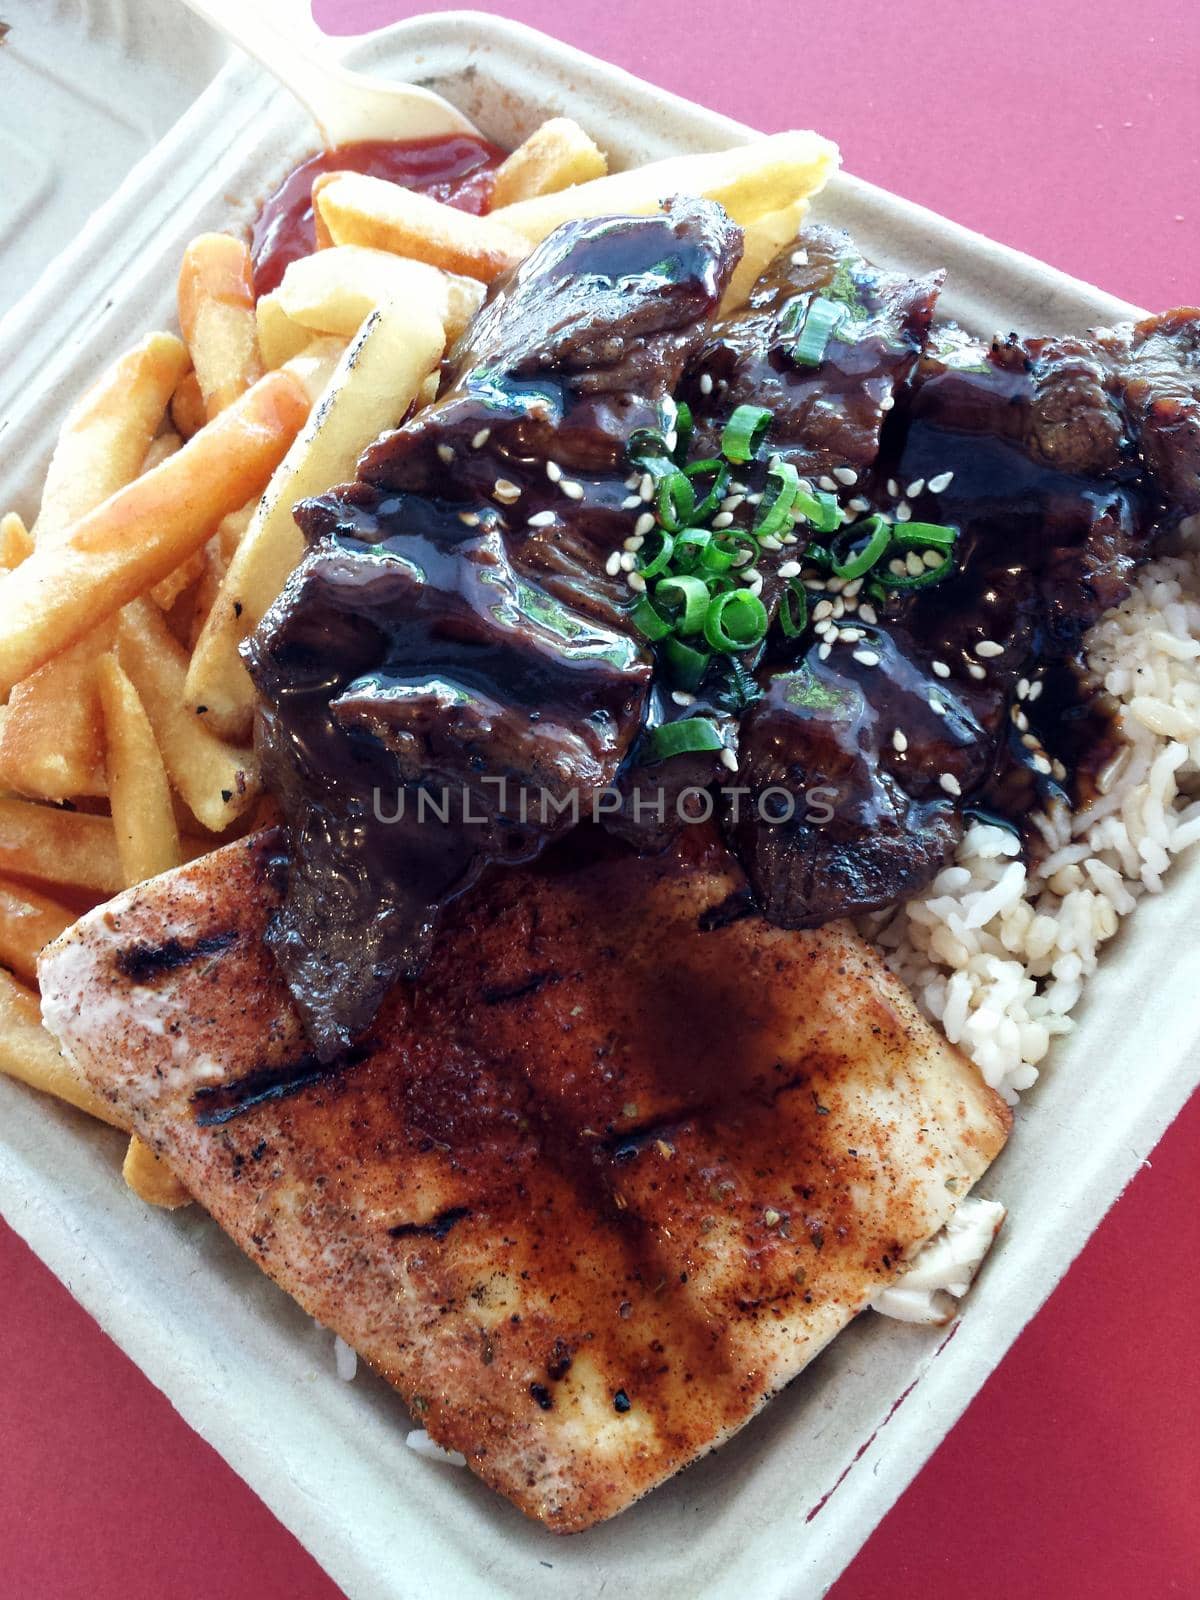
{"x":28,"y":922}
{"x":140,"y":795}
{"x":749,"y":181}
{"x":370,"y":211}
{"x":372,"y":388}
{"x":188,"y":411}
{"x":335,"y":290}
{"x":51,"y":746}
{"x":64,"y":847}
{"x":165,"y":445}
{"x":232,"y":530}
{"x":16,"y":542}
{"x":151,"y":1179}
{"x":428,"y":392}
{"x":316,"y":364}
{"x":279,"y":338}
{"x":217,"y":781}
{"x":762,"y":241}
{"x":29,"y":1053}
{"x":104,"y":440}
{"x":554,"y":156}
{"x":146,"y":529}
{"x":216,"y":314}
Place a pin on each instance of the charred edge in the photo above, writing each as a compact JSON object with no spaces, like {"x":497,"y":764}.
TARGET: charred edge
{"x":732,"y":909}
{"x":143,"y":962}
{"x":627,"y":1146}
{"x":230,"y":1100}
{"x":500,"y":994}
{"x":437,"y":1229}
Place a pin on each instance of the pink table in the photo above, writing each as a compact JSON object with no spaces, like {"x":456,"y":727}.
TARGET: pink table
{"x":1073,"y":132}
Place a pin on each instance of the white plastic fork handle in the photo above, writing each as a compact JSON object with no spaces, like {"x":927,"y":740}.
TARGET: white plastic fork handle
{"x":346,"y":106}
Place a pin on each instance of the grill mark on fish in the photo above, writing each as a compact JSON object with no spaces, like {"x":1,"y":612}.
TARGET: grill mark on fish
{"x":143,"y":962}
{"x":267,"y":1084}
{"x":438,"y":1228}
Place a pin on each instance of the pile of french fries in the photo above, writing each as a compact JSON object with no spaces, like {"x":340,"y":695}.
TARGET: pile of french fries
{"x":165,"y":529}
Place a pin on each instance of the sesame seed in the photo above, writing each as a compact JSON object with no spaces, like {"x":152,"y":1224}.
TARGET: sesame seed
{"x":950,"y":783}
{"x":825,"y":627}
{"x":893,"y":488}
{"x":1021,"y":721}
{"x":706,"y":383}
{"x":722,"y":519}
{"x":826,"y":482}
{"x":823,"y":608}
{"x":481,"y":438}
{"x":868,"y":613}
{"x":541,"y":519}
{"x":553,"y":471}
{"x":888,"y":401}
{"x":1022,"y":688}
{"x":850,"y":635}
{"x":631,"y":502}
{"x":790,"y":569}
{"x":799,"y":258}
{"x":613,"y":565}
{"x":632,"y":481}
{"x":941,"y":482}
{"x":754,"y":499}
{"x":940,"y":669}
{"x":1030,"y":742}
{"x":823,"y":652}
{"x":769,"y":542}
{"x":628,"y":561}
{"x":732,"y":501}
{"x":636,"y":582}
{"x":1058,"y":769}
{"x":644,"y":523}
{"x":913,"y":564}
{"x":634,"y":542}
{"x":573,"y":490}
{"x":835,"y":585}
{"x":935,"y":704}
{"x":839,"y":607}
{"x":846,"y":475}
{"x":976,"y":671}
{"x":646,"y":487}
{"x":755,"y":584}
{"x":899,"y":742}
{"x":1042,"y":765}
{"x":903,"y":511}
{"x":506,"y":490}
{"x":868,"y":658}
{"x":859,"y":504}
{"x":671,"y":441}
{"x":932,"y":558}
{"x":1035,"y":690}
{"x":987,"y":648}
{"x":682,"y":698}
{"x":771,"y":1217}
{"x":897,"y":568}
{"x":445,"y":454}
{"x":852,"y":588}
{"x":729,"y":759}
{"x":915,"y":488}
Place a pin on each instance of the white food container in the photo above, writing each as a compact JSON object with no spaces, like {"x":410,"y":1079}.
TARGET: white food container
{"x":781,"y":1509}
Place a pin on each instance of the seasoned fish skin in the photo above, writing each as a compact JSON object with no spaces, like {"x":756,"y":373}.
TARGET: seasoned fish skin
{"x":591,"y":1191}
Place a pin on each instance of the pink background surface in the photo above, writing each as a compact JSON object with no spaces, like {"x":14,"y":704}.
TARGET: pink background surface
{"x":1071,"y":130}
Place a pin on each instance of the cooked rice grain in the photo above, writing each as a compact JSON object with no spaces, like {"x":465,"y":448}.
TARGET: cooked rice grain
{"x":998,"y":953}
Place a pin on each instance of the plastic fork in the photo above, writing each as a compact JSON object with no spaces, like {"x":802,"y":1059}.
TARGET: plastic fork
{"x":347,"y":106}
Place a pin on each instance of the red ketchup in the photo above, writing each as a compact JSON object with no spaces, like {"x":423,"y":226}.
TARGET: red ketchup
{"x":457,"y":170}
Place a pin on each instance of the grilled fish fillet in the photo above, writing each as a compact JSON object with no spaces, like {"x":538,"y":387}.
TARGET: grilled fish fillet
{"x":607,"y":1178}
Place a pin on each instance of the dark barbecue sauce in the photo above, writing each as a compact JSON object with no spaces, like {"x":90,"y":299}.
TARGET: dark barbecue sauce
{"x":456,"y":170}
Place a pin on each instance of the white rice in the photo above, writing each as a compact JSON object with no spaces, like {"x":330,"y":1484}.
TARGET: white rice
{"x":998,"y":953}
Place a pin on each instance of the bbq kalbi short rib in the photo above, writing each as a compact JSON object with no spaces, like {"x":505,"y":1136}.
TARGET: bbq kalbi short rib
{"x":454,"y":626}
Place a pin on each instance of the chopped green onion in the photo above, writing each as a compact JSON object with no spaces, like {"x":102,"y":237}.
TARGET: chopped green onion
{"x":684,"y":427}
{"x":924,"y":535}
{"x":820,"y":509}
{"x":923,"y":580}
{"x":736,"y":621}
{"x":716,"y":493}
{"x":653,"y":565}
{"x":692,"y":594}
{"x":646,"y":444}
{"x":648,"y":622}
{"x":821,"y":319}
{"x":744,"y":432}
{"x":685,"y":665}
{"x":691,"y":546}
{"x":686,"y":737}
{"x":879,"y":537}
{"x":676,"y":501}
{"x":793,"y":609}
{"x":782,"y":486}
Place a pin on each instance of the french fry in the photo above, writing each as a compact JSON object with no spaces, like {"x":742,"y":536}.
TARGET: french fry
{"x":145,"y":530}
{"x":28,"y":922}
{"x":29,"y":1053}
{"x":761,"y":243}
{"x":316,"y":364}
{"x":372,"y":388}
{"x":188,"y":411}
{"x":370,"y":211}
{"x":166,"y":593}
{"x":16,"y":541}
{"x":152,"y":1179}
{"x":63,"y":847}
{"x":554,"y":156}
{"x":335,"y":290}
{"x":428,"y":392}
{"x":163,"y":446}
{"x":140,"y":795}
{"x":216,"y":314}
{"x":749,"y":181}
{"x":217,"y":781}
{"x":105,"y":437}
{"x":279,"y":338}
{"x":50,"y":742}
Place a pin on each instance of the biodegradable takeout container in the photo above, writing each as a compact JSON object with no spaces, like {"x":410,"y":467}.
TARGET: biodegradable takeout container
{"x":779,"y":1511}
